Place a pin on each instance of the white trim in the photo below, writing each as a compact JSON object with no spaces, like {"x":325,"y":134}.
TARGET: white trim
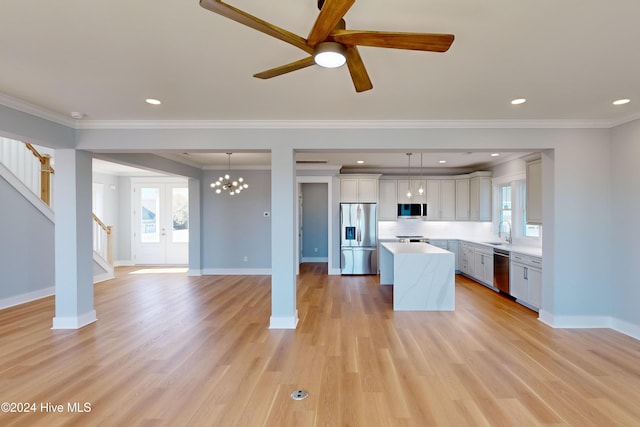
{"x":47,"y":114}
{"x":583,"y":322}
{"x":626,"y":328}
{"x":29,"y":296}
{"x":74,"y":322}
{"x":194,"y":272}
{"x":334,"y":271}
{"x":283,"y":322}
{"x":124,"y":263}
{"x":21,"y":188}
{"x":235,"y":271}
{"x":323,"y":179}
{"x":346,"y":124}
{"x":97,"y":278}
{"x":575,"y":322}
{"x":314,"y":259}
{"x":36,"y":110}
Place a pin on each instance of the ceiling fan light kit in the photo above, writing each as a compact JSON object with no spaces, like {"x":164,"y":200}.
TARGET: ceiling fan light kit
{"x":329,"y":36}
{"x":330,"y":55}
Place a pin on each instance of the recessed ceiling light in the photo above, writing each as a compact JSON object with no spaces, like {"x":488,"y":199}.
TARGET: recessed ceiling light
{"x":78,"y":115}
{"x":518,"y":101}
{"x":153,"y":101}
{"x":360,"y":162}
{"x":442,"y":161}
{"x":495,"y":154}
{"x":621,"y":101}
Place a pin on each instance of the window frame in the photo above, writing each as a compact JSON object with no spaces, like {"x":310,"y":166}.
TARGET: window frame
{"x":518,"y":207}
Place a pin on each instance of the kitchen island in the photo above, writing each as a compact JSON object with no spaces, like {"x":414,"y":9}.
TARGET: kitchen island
{"x":422,"y":275}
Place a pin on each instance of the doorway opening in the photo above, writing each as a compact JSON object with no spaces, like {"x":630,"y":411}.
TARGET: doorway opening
{"x":314,"y":221}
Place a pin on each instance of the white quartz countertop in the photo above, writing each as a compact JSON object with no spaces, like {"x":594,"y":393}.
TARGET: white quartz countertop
{"x":412,"y":248}
{"x":520,"y":249}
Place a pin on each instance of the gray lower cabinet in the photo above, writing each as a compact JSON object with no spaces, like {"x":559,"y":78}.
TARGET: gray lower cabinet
{"x":526,"y":280}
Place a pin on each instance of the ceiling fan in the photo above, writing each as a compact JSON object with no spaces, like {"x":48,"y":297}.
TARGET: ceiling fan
{"x":329,"y":37}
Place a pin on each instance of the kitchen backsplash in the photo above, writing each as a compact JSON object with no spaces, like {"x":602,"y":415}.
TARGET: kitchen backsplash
{"x":479,"y":231}
{"x":435,"y":229}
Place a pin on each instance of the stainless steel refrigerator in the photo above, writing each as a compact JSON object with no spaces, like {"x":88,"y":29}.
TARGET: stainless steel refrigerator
{"x":358,"y":238}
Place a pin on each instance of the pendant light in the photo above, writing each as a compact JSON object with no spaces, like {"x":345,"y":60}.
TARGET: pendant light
{"x":409,"y":195}
{"x":421,"y":189}
{"x":227,"y":184}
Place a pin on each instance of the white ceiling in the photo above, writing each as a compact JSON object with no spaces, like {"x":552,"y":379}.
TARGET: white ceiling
{"x":570,"y":59}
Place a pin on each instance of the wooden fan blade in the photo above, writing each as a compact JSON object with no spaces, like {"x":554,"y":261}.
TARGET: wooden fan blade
{"x":410,"y":41}
{"x":284,"y":69}
{"x":251,"y":21}
{"x":357,"y":70}
{"x":331,"y":13}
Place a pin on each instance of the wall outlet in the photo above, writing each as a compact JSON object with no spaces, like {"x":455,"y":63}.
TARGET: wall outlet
{"x":315,"y":249}
{"x":246,"y":258}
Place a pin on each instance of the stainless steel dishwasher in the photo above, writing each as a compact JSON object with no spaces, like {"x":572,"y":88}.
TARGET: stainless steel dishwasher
{"x":501,"y":260}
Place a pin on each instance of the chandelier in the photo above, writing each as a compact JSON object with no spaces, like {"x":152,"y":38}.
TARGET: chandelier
{"x":233,"y":186}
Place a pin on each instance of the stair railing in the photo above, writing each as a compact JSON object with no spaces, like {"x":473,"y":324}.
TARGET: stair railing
{"x":103,"y":239}
{"x":46,"y":170}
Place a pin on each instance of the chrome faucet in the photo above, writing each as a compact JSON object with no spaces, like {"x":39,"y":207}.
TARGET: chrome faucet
{"x":508,"y":239}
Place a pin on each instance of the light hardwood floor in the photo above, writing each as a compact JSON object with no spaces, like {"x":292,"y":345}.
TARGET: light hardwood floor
{"x":173,"y":350}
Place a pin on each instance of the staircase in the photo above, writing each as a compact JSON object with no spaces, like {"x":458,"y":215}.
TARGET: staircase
{"x":29,"y":169}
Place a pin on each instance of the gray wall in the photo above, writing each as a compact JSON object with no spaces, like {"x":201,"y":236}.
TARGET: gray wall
{"x":26,"y":247}
{"x":314,"y":220}
{"x":235,"y":226}
{"x":582,"y":281}
{"x":625,"y":189}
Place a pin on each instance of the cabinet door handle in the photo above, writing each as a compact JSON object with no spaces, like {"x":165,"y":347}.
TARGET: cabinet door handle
{"x":526,"y":273}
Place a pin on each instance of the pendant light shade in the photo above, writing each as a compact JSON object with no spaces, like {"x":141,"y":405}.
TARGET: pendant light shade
{"x":421,"y":189}
{"x":409,"y":194}
{"x":227,"y":184}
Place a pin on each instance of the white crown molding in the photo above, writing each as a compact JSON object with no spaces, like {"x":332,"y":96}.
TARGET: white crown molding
{"x":627,"y":119}
{"x":345,"y":124}
{"x":36,"y":110}
{"x":44,"y":113}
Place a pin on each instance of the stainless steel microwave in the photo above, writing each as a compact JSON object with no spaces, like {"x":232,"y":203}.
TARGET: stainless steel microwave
{"x":412,"y":210}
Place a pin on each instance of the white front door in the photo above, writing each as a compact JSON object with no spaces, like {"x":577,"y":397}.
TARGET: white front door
{"x":161,"y":223}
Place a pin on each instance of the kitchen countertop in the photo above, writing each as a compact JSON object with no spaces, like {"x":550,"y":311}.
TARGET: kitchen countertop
{"x":521,"y":249}
{"x":422,"y":275}
{"x":412,"y":248}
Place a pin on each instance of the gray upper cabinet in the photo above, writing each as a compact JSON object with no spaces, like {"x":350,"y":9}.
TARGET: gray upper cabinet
{"x":534,"y":192}
{"x":387,"y":200}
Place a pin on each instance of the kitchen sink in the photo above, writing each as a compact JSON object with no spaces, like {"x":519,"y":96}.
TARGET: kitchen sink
{"x":494,"y":243}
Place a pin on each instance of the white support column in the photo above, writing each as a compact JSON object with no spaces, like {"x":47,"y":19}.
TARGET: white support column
{"x":73,"y":240}
{"x":195,"y":257}
{"x":284,"y":314}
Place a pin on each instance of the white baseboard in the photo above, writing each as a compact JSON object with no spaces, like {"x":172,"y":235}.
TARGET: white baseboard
{"x":314,"y":259}
{"x":194,"y":272}
{"x":29,"y":296}
{"x":283,"y":322}
{"x":334,"y":272}
{"x":74,"y":322}
{"x":103,"y":277}
{"x":584,"y":322}
{"x":123,"y":263}
{"x":626,"y":328}
{"x":235,"y":271}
